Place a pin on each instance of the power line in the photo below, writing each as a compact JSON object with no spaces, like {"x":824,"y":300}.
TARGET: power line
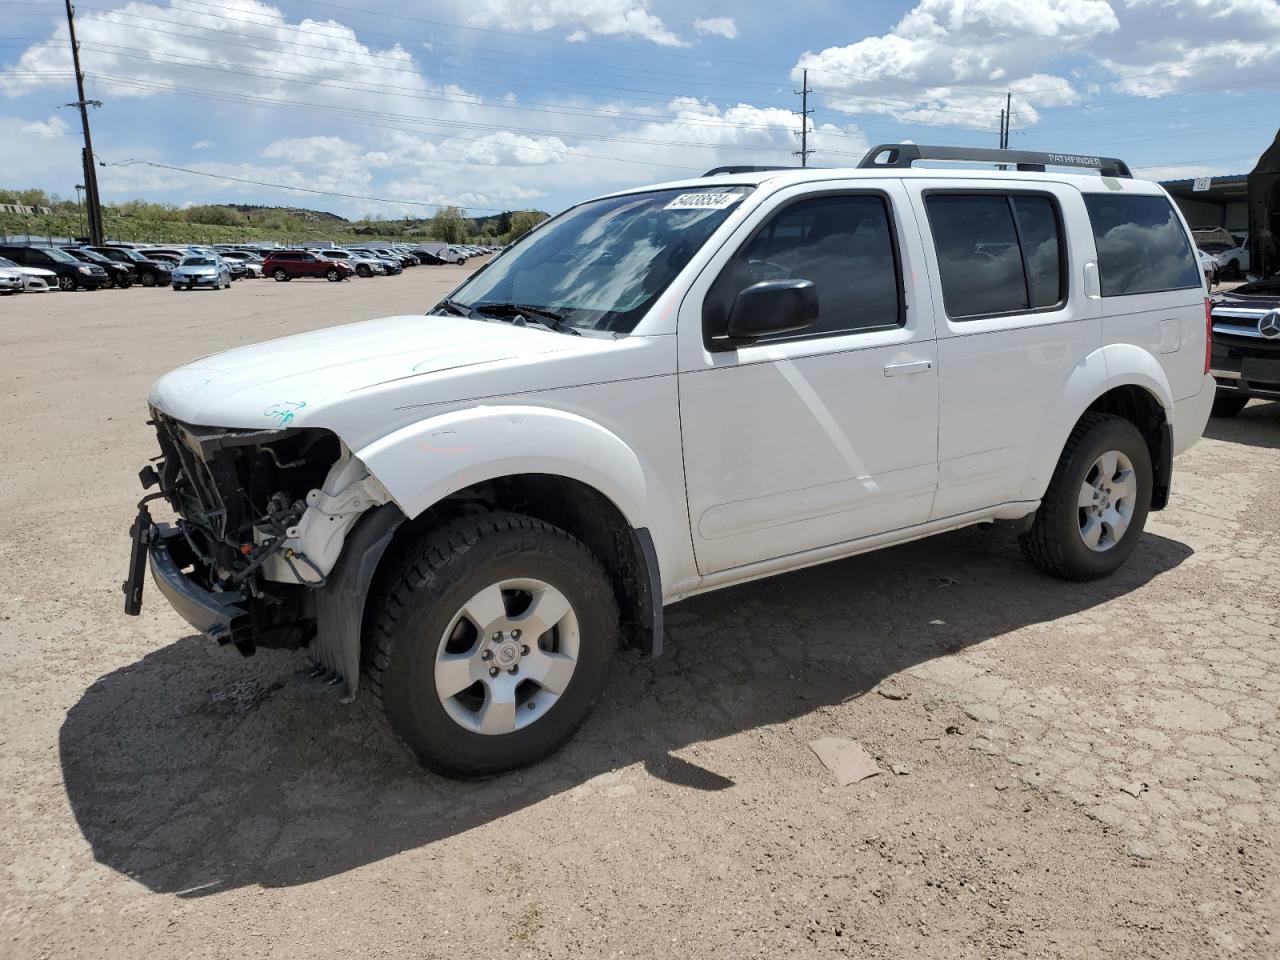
{"x":407,"y":121}
{"x":283,"y":186}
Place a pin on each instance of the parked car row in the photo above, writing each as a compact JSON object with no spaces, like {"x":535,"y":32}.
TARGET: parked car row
{"x":30,"y":268}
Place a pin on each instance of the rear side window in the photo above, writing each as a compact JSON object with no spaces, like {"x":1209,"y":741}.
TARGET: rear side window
{"x":1142,"y":247}
{"x":997,"y":253}
{"x":843,"y":243}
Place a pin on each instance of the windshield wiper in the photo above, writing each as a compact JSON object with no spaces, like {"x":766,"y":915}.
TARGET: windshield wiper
{"x":453,"y":306}
{"x":542,"y":316}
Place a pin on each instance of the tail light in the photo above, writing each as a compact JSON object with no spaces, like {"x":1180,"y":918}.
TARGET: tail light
{"x":1208,"y":333}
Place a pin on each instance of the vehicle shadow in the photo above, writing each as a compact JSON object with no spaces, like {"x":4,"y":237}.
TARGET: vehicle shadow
{"x":1257,"y":425}
{"x":194,"y":771}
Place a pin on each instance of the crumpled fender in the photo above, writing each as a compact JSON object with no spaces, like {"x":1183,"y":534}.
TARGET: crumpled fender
{"x":423,"y":463}
{"x":1108,"y":367}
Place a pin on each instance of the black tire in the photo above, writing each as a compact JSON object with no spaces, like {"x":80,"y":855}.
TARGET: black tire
{"x":126,"y":283}
{"x":148,"y":280}
{"x":67,"y":283}
{"x":1053,"y":542}
{"x":1228,"y":404}
{"x":431,"y":582}
{"x":363,"y":271}
{"x":333,"y":276}
{"x":280,"y":275}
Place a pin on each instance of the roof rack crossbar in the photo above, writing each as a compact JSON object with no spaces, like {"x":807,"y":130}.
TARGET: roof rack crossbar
{"x":903,"y":155}
{"x":744,"y":168}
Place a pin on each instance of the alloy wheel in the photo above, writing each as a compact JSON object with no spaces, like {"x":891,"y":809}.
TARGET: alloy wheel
{"x":1107,"y":499}
{"x":507,"y":656}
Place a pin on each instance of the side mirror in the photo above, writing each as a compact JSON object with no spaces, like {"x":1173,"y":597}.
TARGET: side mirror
{"x":771,"y":307}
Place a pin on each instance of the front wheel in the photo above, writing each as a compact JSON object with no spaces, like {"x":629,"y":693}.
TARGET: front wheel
{"x":1093,"y":513}
{"x":333,"y":276}
{"x":363,"y":271}
{"x":66,"y":283}
{"x":148,"y":280}
{"x":1229,"y":404}
{"x":491,"y":644}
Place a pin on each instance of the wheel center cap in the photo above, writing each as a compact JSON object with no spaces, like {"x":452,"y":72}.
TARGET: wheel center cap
{"x":506,"y":654}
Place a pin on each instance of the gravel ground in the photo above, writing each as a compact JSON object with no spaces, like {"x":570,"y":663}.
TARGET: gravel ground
{"x":1070,"y":771}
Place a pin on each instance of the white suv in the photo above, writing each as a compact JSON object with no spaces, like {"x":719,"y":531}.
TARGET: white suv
{"x":671,"y":390}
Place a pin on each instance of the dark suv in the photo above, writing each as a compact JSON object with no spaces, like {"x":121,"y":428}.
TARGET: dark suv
{"x":1246,"y":345}
{"x":72,"y":274}
{"x":151,"y":273}
{"x":287,"y":264}
{"x":119,"y":274}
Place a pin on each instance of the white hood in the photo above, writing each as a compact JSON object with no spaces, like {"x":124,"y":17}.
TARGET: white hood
{"x":304,"y":379}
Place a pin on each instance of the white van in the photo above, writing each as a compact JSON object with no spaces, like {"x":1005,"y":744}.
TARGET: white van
{"x":670,"y":390}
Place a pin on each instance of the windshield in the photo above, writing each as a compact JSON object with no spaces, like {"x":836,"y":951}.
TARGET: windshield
{"x":197,"y":262}
{"x":1214,"y":246}
{"x":6,"y":263}
{"x":601,"y":265}
{"x":59,"y":255}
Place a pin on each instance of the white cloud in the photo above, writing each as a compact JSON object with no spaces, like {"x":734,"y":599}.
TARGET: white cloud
{"x":56,"y":164}
{"x":602,"y":17}
{"x":951,"y":61}
{"x":1170,"y":45}
{"x":717,"y":26}
{"x":186,"y":48}
{"x":50,"y":129}
{"x":203,"y":145}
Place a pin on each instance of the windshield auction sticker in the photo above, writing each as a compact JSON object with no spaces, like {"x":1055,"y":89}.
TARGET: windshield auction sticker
{"x":703,"y":201}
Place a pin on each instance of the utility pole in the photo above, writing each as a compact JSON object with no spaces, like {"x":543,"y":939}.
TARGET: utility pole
{"x":1007,"y":115}
{"x":804,"y":114}
{"x":96,"y":233}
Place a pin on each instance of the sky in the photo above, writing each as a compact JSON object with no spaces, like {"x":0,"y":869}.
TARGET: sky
{"x":537,"y":104}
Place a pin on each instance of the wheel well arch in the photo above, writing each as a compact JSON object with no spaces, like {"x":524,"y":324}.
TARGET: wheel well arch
{"x":627,"y":553}
{"x":1144,"y":410}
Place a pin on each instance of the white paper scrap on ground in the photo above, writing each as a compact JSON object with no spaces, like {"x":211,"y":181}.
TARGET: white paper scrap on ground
{"x":845,"y":759}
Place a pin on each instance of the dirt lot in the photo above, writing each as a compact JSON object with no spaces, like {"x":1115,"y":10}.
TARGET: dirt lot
{"x":1084,"y":771}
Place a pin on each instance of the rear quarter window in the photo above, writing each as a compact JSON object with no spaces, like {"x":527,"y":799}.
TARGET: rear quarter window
{"x":1142,"y":247}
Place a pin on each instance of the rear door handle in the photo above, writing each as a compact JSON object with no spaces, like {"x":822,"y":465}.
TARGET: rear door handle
{"x":907,"y":369}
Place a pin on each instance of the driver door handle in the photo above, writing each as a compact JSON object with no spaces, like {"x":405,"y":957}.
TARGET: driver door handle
{"x":907,"y":369}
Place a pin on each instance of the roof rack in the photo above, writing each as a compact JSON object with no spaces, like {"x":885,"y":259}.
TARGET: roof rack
{"x":717,"y":171}
{"x":903,"y":155}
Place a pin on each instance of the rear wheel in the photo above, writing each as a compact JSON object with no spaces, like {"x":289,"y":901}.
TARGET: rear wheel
{"x":1093,"y":513}
{"x":1229,"y":404}
{"x":491,"y":644}
{"x":280,"y":275}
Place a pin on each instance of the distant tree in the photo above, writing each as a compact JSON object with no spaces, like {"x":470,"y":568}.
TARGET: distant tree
{"x":522,"y":221}
{"x":449,"y":224}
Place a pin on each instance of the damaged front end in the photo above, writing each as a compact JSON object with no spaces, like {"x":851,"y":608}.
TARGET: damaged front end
{"x":261,"y":518}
